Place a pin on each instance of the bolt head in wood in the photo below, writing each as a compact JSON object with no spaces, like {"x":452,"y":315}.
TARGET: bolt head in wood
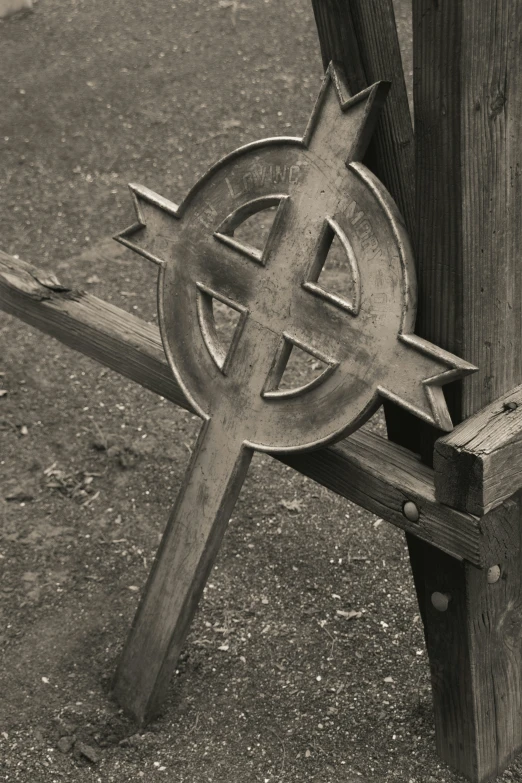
{"x":493,"y":574}
{"x":440,"y":601}
{"x":510,"y":406}
{"x":410,"y":511}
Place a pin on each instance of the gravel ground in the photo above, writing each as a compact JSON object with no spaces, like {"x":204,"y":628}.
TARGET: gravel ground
{"x":306,"y":661}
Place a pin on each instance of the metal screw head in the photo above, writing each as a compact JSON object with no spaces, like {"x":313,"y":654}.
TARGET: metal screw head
{"x":440,"y":601}
{"x":493,"y":574}
{"x":410,"y":511}
{"x":510,"y":406}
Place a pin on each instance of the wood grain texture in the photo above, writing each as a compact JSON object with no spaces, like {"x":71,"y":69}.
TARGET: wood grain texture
{"x":479,"y":464}
{"x":474,"y":654}
{"x":468,"y":107}
{"x":89,"y":325}
{"x":364,"y":468}
{"x":467,"y":119}
{"x":381,"y":476}
{"x":362,"y":37}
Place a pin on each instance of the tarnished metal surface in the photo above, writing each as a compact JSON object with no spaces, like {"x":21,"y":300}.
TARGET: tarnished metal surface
{"x":365,"y":340}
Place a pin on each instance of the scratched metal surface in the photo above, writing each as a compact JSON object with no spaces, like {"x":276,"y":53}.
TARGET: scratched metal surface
{"x":365,"y":341}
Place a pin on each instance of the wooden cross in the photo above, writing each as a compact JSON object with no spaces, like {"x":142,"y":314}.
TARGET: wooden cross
{"x":364,"y":339}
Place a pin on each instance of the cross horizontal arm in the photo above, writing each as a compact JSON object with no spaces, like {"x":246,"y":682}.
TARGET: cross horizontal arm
{"x":364,"y":468}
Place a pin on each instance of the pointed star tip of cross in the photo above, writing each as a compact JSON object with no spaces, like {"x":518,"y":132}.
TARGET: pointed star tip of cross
{"x":377,"y":91}
{"x":143,"y":195}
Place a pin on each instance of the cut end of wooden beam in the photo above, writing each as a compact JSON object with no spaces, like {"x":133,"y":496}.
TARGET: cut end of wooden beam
{"x":479,"y":465}
{"x":458,"y":479}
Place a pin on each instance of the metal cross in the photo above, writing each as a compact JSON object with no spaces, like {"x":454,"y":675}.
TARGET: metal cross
{"x":365,"y":339}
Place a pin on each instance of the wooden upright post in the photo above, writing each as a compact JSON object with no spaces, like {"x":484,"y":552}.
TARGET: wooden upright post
{"x":468,"y":121}
{"x":467,"y":234}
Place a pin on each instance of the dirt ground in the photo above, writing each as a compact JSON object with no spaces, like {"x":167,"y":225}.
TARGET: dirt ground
{"x":306,"y":661}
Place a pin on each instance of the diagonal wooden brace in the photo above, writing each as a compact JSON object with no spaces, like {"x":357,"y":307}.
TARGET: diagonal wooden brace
{"x":364,"y":468}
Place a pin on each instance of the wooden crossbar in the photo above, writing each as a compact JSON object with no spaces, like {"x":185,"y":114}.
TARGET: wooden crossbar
{"x":364,"y":468}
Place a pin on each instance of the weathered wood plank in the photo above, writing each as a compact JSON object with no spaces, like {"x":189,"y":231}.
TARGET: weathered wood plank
{"x":364,"y":468}
{"x":468,"y":135}
{"x":460,"y":737}
{"x":468,"y":109}
{"x":481,"y":643}
{"x":468,"y":112}
{"x":89,"y":325}
{"x":479,"y":464}
{"x":381,"y":476}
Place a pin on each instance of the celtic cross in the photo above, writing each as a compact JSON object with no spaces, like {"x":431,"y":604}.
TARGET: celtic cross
{"x":364,"y":339}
